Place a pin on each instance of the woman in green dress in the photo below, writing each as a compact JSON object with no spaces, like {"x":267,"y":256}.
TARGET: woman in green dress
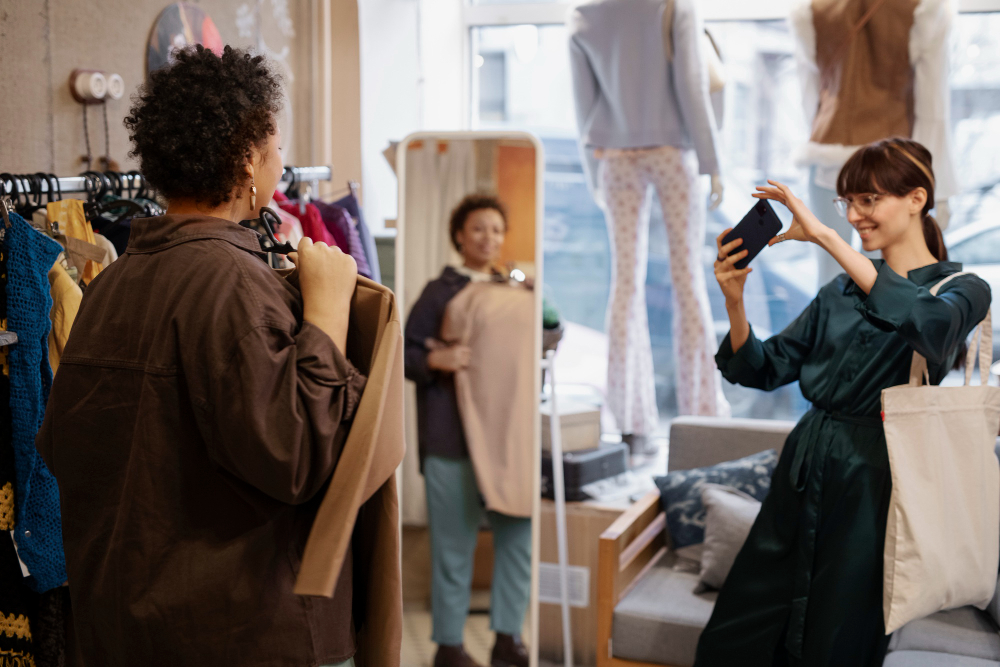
{"x":806,"y":589}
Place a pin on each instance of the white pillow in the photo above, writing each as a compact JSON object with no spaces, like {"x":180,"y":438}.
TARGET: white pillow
{"x":729,"y":516}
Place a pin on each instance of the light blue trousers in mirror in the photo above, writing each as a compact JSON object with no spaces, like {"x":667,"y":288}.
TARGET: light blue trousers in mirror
{"x":348,"y":663}
{"x":455,"y":513}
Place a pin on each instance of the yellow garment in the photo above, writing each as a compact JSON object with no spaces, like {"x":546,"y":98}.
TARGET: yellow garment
{"x":66,"y":297}
{"x":68,"y":214}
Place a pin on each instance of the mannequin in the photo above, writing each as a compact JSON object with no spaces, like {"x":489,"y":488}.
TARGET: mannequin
{"x":890,"y":58}
{"x":641,"y":86}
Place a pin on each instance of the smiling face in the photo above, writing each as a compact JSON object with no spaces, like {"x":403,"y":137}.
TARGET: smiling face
{"x":481,"y":238}
{"x":884,"y":219}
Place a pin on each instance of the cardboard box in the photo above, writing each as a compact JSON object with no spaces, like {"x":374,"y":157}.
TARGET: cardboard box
{"x":584,"y":524}
{"x":580,"y":422}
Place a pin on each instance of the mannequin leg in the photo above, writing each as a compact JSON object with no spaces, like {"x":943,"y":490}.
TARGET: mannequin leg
{"x":699,"y":383}
{"x":631,"y":388}
{"x":511,"y":589}
{"x":454,"y":515}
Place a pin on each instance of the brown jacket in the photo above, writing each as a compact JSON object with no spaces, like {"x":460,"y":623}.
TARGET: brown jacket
{"x":866,"y":80}
{"x":496,"y":392}
{"x":193,"y":425}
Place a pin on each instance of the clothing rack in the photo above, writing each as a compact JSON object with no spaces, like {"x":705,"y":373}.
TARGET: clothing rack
{"x":78,"y":184}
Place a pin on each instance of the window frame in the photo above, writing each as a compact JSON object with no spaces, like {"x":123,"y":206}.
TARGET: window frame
{"x":551,"y":13}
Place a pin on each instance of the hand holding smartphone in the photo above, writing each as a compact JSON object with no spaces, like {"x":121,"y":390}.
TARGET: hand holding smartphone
{"x":756,"y":228}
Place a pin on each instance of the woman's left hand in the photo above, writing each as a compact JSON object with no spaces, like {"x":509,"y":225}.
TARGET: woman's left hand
{"x":805,"y":225}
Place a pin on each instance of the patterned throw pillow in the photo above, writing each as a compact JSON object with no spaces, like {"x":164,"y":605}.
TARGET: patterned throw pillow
{"x":680,"y":492}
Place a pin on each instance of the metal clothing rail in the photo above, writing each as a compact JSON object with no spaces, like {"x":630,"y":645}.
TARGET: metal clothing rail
{"x":78,"y":184}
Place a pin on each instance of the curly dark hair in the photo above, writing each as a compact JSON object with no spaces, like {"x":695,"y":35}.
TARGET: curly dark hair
{"x":193,"y":124}
{"x":474,"y":202}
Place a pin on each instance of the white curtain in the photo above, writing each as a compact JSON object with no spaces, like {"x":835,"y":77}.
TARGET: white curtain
{"x":438,"y":176}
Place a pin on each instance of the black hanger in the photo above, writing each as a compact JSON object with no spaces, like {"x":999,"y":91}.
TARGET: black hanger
{"x":54,"y":189}
{"x":116,"y":182}
{"x":266,"y":215}
{"x":135,"y":182}
{"x":292,"y":191}
{"x":96,"y":185}
{"x":33,"y":186}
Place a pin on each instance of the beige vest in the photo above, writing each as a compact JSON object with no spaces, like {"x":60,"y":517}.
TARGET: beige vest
{"x":866,"y":80}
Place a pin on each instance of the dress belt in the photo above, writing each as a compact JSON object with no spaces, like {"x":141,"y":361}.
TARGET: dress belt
{"x":806,"y":476}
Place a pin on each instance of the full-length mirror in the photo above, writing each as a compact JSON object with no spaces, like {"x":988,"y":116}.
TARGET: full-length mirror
{"x":467,"y":265}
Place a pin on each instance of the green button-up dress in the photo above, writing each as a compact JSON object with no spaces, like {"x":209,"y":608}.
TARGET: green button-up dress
{"x":806,"y":589}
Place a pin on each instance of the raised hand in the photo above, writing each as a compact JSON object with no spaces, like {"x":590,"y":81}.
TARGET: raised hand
{"x":805,"y":225}
{"x":731,"y":279}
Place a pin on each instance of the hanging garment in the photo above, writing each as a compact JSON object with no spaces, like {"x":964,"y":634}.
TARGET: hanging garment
{"x":69,"y":216}
{"x":66,"y":297}
{"x":109,"y":248}
{"x":290,"y":227}
{"x":311,"y":220}
{"x":439,"y":424}
{"x":116,"y":232}
{"x":628,"y":93}
{"x":223,"y":415}
{"x":625,"y":180}
{"x":496,"y":392}
{"x":7,"y":469}
{"x":350,"y":202}
{"x":16,"y":640}
{"x":15,"y":597}
{"x":38,"y":529}
{"x":890,"y":78}
{"x":361,"y":499}
{"x":823,"y":522}
{"x":340,"y":224}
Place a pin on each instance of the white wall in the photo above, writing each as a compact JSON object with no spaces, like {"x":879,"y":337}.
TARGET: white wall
{"x":390,"y":80}
{"x":414,"y":77}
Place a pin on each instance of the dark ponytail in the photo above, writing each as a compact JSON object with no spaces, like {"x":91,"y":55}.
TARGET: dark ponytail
{"x":935,"y":241}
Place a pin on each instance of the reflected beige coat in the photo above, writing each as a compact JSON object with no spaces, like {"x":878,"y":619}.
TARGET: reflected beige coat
{"x":496,"y":392}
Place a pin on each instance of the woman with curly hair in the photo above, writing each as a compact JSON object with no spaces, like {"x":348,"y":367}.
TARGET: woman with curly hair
{"x":203,"y":401}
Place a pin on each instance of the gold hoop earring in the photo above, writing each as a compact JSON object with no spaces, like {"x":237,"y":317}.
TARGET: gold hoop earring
{"x":253,"y":196}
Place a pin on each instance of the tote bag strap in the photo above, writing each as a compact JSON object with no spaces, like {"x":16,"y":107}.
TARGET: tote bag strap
{"x":983,"y":339}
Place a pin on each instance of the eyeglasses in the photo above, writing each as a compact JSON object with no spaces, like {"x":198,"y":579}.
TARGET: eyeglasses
{"x":863,"y":204}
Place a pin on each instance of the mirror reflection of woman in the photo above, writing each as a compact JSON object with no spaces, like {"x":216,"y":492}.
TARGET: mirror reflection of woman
{"x":806,"y":589}
{"x":454,"y":504}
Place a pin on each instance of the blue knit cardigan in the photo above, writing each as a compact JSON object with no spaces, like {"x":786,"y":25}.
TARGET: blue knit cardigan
{"x":38,"y":527}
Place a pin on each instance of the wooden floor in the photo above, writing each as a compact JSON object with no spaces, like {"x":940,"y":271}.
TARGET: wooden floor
{"x":418,"y":649}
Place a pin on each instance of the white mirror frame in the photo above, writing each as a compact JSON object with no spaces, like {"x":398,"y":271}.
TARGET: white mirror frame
{"x":400,"y":288}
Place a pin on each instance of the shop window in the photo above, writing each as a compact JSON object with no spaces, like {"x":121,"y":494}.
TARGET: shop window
{"x":763,"y":123}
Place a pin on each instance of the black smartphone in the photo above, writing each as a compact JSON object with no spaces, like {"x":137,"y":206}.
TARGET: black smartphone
{"x":756,"y":228}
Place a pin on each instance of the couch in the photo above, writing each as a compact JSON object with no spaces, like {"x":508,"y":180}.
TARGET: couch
{"x":650,"y":615}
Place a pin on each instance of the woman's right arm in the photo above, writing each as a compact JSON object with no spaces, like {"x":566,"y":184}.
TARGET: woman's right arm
{"x":422,"y":323}
{"x":742,"y":357}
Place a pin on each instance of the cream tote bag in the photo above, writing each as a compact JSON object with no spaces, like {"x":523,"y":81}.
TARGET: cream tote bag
{"x":942,"y":542}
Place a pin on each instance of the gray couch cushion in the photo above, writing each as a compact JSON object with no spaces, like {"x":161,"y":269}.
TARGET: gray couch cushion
{"x":965,"y":631}
{"x":660,"y":620}
{"x":729,"y":516}
{"x":698,"y":442}
{"x":931,"y":659}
